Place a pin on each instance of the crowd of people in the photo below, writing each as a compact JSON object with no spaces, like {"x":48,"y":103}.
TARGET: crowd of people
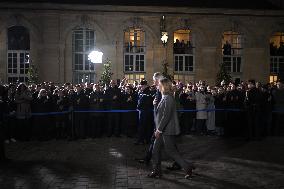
{"x":46,"y":111}
{"x":182,"y":47}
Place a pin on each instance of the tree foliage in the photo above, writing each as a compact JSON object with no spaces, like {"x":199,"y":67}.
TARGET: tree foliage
{"x":223,"y":75}
{"x":106,"y":74}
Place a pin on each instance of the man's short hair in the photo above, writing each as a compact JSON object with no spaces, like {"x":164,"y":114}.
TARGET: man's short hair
{"x":157,"y":76}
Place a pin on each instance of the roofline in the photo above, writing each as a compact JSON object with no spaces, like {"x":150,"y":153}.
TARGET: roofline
{"x":140,"y":9}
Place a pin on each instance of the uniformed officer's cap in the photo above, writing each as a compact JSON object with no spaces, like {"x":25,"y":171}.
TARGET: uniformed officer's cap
{"x":143,"y":82}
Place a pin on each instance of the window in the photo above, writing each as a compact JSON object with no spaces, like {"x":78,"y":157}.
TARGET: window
{"x":134,"y":77}
{"x":184,"y":78}
{"x":232,"y":51}
{"x":134,"y":50}
{"x":273,"y":78}
{"x":277,"y":54}
{"x":18,"y":55}
{"x":83,"y":44}
{"x":183,"y":51}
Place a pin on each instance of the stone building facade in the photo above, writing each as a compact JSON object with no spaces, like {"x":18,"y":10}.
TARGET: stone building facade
{"x":60,"y":37}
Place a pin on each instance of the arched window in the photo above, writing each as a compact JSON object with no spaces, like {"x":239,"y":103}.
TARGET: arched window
{"x":83,"y":43}
{"x":18,"y":54}
{"x":277,"y":56}
{"x":134,"y":54}
{"x":232,"y":50}
{"x":184,"y":59}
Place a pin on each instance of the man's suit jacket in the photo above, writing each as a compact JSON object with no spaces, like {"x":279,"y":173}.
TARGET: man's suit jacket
{"x":166,"y":119}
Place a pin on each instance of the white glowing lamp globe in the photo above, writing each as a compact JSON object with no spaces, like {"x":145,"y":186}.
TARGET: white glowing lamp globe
{"x":96,"y":57}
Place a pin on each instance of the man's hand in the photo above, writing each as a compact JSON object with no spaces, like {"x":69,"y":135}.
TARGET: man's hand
{"x":155,"y":102}
{"x":157,"y":134}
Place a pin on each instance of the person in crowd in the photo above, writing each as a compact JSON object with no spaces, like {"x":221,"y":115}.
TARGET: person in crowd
{"x":130,"y":99}
{"x":220,"y":114}
{"x":273,"y":49}
{"x":10,"y":128}
{"x":235,"y":100}
{"x":210,"y":122}
{"x":145,"y":107}
{"x":113,"y":97}
{"x":3,"y":111}
{"x":227,"y":48}
{"x":278,"y":98}
{"x":43,"y":126}
{"x":281,"y":49}
{"x":61,"y":102}
{"x":97,"y":103}
{"x":81,"y":102}
{"x":23,"y":98}
{"x":187,"y":101}
{"x":201,"y":106}
{"x":167,"y":128}
{"x":254,"y":100}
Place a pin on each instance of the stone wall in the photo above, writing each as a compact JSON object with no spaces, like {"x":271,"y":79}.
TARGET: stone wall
{"x":51,"y":37}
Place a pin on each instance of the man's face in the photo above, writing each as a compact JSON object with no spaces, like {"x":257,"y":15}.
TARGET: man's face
{"x":112,"y":83}
{"x":155,"y":81}
{"x":78,"y":89}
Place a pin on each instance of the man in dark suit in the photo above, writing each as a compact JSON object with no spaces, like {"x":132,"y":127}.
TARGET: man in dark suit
{"x":157,"y":98}
{"x":113,"y":97}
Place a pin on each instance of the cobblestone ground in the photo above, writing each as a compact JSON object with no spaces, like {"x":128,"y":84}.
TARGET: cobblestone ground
{"x":109,"y":163}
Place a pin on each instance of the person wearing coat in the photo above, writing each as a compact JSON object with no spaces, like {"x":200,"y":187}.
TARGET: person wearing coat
{"x":23,"y":98}
{"x":129,"y":119}
{"x":3,"y":110}
{"x":43,"y":125}
{"x":188,"y":103}
{"x":201,"y":114}
{"x":97,"y":100}
{"x":145,"y":107}
{"x":167,"y":128}
{"x":113,"y":97}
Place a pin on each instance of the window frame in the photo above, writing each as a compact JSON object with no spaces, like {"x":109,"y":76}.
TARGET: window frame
{"x":236,"y":68}
{"x":191,"y":53}
{"x":80,"y":63}
{"x":138,"y":65}
{"x":17,"y":74}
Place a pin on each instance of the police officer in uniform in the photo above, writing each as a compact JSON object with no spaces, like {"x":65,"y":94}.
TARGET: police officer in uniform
{"x":145,"y":107}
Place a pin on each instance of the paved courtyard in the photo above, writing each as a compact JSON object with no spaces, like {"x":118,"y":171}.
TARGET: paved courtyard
{"x":109,"y":163}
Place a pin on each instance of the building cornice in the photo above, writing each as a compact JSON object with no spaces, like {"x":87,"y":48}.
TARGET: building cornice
{"x":151,"y":10}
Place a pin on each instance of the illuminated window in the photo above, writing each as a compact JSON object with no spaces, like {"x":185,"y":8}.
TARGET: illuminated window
{"x":232,"y":50}
{"x":83,"y":44}
{"x":184,"y":78}
{"x":18,"y":54}
{"x":134,"y":50}
{"x":183,"y":51}
{"x":134,"y":77}
{"x":277,"y":54}
{"x":273,"y":78}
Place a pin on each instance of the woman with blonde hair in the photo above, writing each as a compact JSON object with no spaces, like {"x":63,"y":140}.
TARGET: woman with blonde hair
{"x":167,"y":128}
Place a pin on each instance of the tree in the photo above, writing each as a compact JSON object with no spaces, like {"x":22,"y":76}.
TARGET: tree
{"x":33,"y":74}
{"x":106,"y":75}
{"x":166,"y":71}
{"x":223,"y":74}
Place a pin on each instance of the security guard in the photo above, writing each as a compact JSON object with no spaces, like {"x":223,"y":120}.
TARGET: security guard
{"x":145,"y":107}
